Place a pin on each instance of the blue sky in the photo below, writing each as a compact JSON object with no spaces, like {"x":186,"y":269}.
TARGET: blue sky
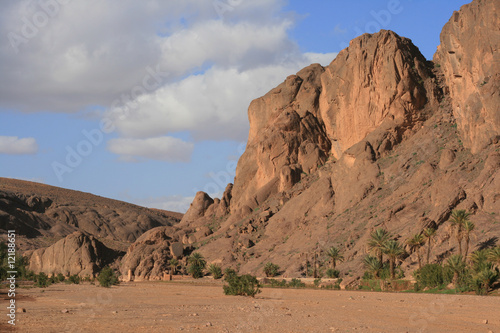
{"x":146,"y":101}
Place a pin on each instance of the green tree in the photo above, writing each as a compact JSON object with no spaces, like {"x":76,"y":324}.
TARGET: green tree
{"x":215,"y":270}
{"x":485,"y":279}
{"x":271,"y":269}
{"x":479,"y":260}
{"x":376,"y":244}
{"x":468,"y":228}
{"x":107,"y":277}
{"x":373,"y":265}
{"x":335,"y":256}
{"x":429,"y":234}
{"x":196,"y":264}
{"x":173,"y":267}
{"x":458,"y":218}
{"x":493,"y":256}
{"x":393,"y":250}
{"x":415,"y":243}
{"x":245,"y":285}
{"x":456,"y":264}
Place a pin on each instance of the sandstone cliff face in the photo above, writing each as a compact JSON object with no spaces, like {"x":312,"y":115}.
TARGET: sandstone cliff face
{"x":78,"y":253}
{"x":470,"y":60}
{"x":380,"y":82}
{"x":369,"y":141}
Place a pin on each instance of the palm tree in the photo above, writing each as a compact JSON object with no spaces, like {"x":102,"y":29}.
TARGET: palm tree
{"x":494,"y":256}
{"x":429,"y":234}
{"x":479,"y":260}
{"x":335,"y":255}
{"x":458,"y":218}
{"x":468,"y":228}
{"x":173,"y":266}
{"x":373,"y":265}
{"x":415,"y":243}
{"x":377,"y":241}
{"x":215,"y":270}
{"x":456,"y":264}
{"x":196,"y":265}
{"x":393,"y":250}
{"x":487,"y":278}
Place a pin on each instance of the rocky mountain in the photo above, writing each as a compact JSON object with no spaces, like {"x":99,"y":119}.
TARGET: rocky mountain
{"x":379,"y":138}
{"x":72,"y":231}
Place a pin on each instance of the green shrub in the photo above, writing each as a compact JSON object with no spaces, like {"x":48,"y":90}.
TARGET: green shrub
{"x":107,"y":277}
{"x":271,"y":270}
{"x":42,"y":280}
{"x":60,"y":277}
{"x":277,"y":283}
{"x":73,"y":279}
{"x":317,"y":282}
{"x":296,"y":283}
{"x":229,"y":273}
{"x":433,"y":276}
{"x":215,"y":270}
{"x":245,"y":285}
{"x":332,"y":273}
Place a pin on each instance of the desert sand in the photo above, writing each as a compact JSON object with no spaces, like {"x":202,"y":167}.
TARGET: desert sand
{"x":176,"y":307}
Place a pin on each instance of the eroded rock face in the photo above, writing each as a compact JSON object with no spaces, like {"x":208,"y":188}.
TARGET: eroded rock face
{"x":79,"y":253}
{"x":378,"y":78}
{"x":470,"y":60}
{"x":380,"y":83}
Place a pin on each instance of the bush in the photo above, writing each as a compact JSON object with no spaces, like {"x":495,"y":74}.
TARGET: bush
{"x":60,"y":277}
{"x":107,"y":277}
{"x":271,"y":270}
{"x":42,"y":280}
{"x":73,"y":279}
{"x":229,"y":273}
{"x":216,"y":271}
{"x":433,"y":276}
{"x":296,"y":283}
{"x":245,"y":285}
{"x":317,"y":282}
{"x":277,"y":283}
{"x":332,"y":273}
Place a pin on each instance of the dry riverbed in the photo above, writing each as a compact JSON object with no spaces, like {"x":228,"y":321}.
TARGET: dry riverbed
{"x":181,"y":307}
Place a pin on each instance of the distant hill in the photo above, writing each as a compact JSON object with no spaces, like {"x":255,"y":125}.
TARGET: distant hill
{"x":44,"y":214}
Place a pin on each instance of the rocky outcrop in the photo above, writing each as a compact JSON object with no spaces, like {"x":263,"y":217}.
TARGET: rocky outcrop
{"x":369,"y":141}
{"x":77,"y":254}
{"x":469,"y":58}
{"x":380,"y":83}
{"x":148,"y":258}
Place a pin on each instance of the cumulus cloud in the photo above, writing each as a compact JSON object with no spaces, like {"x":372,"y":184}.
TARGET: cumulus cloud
{"x":14,"y":145}
{"x":90,"y":52}
{"x":209,"y":62}
{"x":160,"y":148}
{"x":219,"y":97}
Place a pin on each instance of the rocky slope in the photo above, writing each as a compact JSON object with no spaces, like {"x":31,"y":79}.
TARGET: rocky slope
{"x":77,"y":254}
{"x":379,"y":138}
{"x":72,"y":232}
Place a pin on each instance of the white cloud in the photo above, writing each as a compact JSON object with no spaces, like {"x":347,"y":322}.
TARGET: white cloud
{"x":174,"y":203}
{"x":212,"y":105}
{"x":16,"y":146}
{"x":211,"y":68}
{"x":90,"y":52}
{"x":160,"y":148}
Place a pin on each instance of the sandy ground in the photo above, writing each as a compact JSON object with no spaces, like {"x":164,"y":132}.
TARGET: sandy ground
{"x":175,"y":307}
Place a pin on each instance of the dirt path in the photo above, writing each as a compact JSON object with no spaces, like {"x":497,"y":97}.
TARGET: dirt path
{"x":173,"y":307}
